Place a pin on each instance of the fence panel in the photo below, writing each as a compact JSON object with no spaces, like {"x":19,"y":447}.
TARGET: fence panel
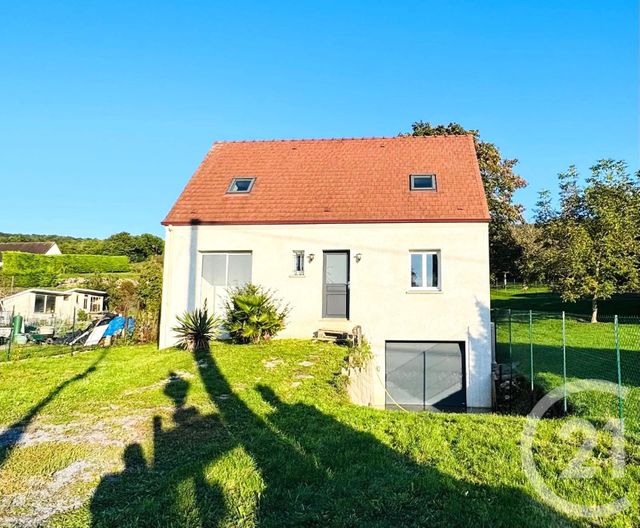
{"x":543,"y":350}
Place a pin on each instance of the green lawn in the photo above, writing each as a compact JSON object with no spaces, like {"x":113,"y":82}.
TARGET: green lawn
{"x":264,"y":436}
{"x":542,"y":299}
{"x":590,"y":348}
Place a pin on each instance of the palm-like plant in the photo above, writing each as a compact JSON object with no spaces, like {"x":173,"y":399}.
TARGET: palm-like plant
{"x":253,"y":314}
{"x":196,"y":328}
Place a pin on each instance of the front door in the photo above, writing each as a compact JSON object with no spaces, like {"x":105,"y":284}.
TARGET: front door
{"x":335,"y":285}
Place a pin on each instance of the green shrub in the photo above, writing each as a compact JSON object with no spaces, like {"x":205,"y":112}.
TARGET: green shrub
{"x":29,"y":280}
{"x":360,"y":354}
{"x":18,"y":263}
{"x":253,"y":314}
{"x":196,"y":328}
{"x":29,"y":270}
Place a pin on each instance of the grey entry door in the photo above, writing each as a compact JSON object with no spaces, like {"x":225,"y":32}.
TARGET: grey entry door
{"x":335,"y":285}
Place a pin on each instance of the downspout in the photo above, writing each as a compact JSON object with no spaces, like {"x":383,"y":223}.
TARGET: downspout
{"x":166,"y":289}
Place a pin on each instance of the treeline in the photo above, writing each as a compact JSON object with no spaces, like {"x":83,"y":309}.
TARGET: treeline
{"x":136,"y":247}
{"x":588,"y":245}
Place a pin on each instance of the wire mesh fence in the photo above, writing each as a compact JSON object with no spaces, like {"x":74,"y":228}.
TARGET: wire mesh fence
{"x":540,"y":351}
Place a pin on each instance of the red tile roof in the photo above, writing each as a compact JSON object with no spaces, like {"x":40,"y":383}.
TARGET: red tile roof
{"x":335,"y":181}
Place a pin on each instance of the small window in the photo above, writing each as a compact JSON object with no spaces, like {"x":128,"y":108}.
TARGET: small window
{"x":38,"y":307}
{"x":241,"y":185}
{"x":44,"y":303}
{"x":423,"y":182}
{"x":96,"y":305}
{"x":425,"y":270}
{"x":298,"y":262}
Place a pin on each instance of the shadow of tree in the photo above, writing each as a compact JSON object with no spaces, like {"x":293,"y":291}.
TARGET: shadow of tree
{"x":316,"y":470}
{"x":12,"y":435}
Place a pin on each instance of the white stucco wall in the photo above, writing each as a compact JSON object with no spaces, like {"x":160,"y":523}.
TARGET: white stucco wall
{"x":380,"y":299}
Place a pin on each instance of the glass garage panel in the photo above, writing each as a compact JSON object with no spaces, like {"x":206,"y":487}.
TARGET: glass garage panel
{"x":405,"y":381}
{"x":425,"y":374}
{"x":221,"y":271}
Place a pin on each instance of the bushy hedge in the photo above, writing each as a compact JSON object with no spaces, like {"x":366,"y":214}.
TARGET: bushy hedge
{"x":41,"y":270}
{"x":29,"y":280}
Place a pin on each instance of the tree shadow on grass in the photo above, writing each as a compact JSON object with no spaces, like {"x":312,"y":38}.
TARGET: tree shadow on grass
{"x":12,"y":435}
{"x":316,"y":471}
{"x":172,"y":489}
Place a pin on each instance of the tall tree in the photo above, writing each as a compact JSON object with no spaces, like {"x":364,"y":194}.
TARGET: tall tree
{"x":592,"y":241}
{"x":500,"y":183}
{"x":137,"y":247}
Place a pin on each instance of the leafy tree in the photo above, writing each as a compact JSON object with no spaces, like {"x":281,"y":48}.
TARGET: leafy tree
{"x":150,"y":285}
{"x":500,"y":183}
{"x":530,"y":240}
{"x":592,"y":242}
{"x":137,"y":247}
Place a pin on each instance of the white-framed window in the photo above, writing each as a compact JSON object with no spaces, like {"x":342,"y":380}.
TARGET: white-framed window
{"x":222,"y":271}
{"x":298,"y":262}
{"x":422,"y":182}
{"x":44,"y":303}
{"x":425,"y":270}
{"x":85,"y":302}
{"x":241,"y":185}
{"x":96,"y":303}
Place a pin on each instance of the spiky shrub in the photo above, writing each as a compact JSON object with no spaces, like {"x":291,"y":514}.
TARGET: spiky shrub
{"x":196,"y":328}
{"x":253,"y":314}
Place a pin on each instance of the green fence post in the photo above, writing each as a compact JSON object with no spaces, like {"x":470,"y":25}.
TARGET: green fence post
{"x":531,"y":345}
{"x":510,"y":363}
{"x":617,"y":334}
{"x":11,"y":336}
{"x":564,"y":360}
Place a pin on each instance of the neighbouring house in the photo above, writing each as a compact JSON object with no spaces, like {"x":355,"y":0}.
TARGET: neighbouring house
{"x":390,"y":234}
{"x":39,"y":248}
{"x":44,"y":303}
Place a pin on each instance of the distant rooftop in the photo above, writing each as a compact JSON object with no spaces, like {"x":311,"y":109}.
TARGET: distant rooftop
{"x":39,"y":248}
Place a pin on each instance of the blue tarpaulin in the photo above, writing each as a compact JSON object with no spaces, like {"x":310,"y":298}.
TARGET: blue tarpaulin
{"x":117,"y":324}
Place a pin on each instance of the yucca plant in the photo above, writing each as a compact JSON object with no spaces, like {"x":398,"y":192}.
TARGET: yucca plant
{"x":253,"y":314}
{"x":196,"y":328}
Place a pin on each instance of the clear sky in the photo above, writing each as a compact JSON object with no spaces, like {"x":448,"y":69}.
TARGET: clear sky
{"x":106,"y":108}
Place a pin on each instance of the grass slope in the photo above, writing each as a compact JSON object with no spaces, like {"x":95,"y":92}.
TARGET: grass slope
{"x":544,"y":300}
{"x":263,"y":436}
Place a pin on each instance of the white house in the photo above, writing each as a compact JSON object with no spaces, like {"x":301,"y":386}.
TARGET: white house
{"x":390,"y":234}
{"x":43,"y":303}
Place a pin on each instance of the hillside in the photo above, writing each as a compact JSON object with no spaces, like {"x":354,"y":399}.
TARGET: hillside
{"x":136,"y":247}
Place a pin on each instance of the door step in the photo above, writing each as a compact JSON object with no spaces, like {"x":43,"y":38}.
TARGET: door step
{"x":339,"y":336}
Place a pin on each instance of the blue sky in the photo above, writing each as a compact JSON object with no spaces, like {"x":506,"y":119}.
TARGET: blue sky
{"x":106,"y":108}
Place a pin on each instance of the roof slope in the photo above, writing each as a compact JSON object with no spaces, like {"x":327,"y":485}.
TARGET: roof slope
{"x":39,"y":248}
{"x":335,"y":181}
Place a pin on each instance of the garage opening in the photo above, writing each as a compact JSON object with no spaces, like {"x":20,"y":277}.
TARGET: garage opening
{"x":423,"y":375}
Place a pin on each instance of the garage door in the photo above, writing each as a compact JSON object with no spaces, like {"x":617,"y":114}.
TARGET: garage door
{"x":425,"y":374}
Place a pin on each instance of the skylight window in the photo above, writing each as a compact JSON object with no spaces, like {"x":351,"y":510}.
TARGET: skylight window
{"x":241,"y":185}
{"x":423,"y":182}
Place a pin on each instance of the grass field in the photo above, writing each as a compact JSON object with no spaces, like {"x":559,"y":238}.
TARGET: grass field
{"x":264,"y":436}
{"x":590,"y":348}
{"x":544,"y":300}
